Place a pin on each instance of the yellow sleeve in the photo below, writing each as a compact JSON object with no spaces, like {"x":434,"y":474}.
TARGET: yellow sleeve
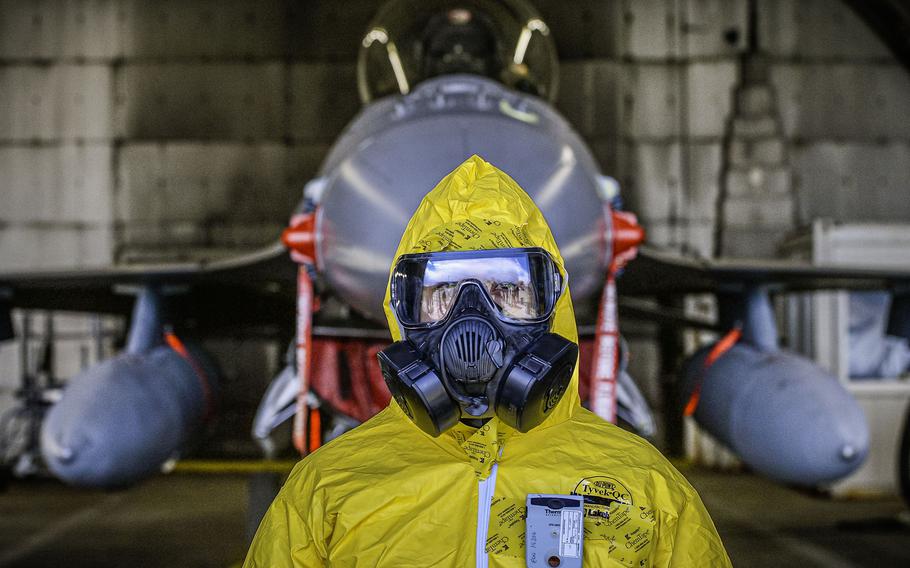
{"x":283,"y":540}
{"x":696,"y":542}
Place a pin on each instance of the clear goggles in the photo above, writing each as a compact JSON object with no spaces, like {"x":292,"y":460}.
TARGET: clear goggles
{"x":522,"y":284}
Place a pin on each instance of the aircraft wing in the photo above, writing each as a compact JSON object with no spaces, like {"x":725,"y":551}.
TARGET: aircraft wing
{"x":240,"y":288}
{"x":658,"y":272}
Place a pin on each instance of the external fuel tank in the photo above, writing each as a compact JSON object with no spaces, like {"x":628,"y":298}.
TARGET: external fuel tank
{"x":118,"y":422}
{"x":780,"y":413}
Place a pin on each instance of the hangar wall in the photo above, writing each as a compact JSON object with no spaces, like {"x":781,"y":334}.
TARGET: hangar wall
{"x":141,"y":130}
{"x":136,"y":130}
{"x":165,"y":129}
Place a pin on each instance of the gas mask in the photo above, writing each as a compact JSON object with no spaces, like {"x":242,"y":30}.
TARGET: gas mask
{"x":476,"y":340}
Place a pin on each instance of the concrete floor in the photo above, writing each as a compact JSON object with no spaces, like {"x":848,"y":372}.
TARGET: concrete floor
{"x":178,"y":520}
{"x":763,"y":524}
{"x":198,"y":521}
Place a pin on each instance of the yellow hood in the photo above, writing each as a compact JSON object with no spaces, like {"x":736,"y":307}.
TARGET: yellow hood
{"x":478,"y":207}
{"x":387,"y":494}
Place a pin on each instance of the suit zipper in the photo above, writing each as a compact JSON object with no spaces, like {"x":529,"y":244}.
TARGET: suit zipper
{"x":484,"y":502}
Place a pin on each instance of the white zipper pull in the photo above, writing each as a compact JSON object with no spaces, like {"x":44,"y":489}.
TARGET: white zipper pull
{"x":485,"y":492}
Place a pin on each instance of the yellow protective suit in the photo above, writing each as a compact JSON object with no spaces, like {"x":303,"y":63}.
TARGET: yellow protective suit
{"x":387,"y":494}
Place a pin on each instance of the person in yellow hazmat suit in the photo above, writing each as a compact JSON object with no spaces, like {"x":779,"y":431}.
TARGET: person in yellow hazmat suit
{"x":485,"y":412}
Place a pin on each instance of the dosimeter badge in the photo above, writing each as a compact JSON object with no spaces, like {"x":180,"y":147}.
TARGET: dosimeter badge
{"x":476,"y":340}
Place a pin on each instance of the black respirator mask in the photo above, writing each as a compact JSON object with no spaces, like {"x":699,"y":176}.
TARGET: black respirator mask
{"x":476,"y":340}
